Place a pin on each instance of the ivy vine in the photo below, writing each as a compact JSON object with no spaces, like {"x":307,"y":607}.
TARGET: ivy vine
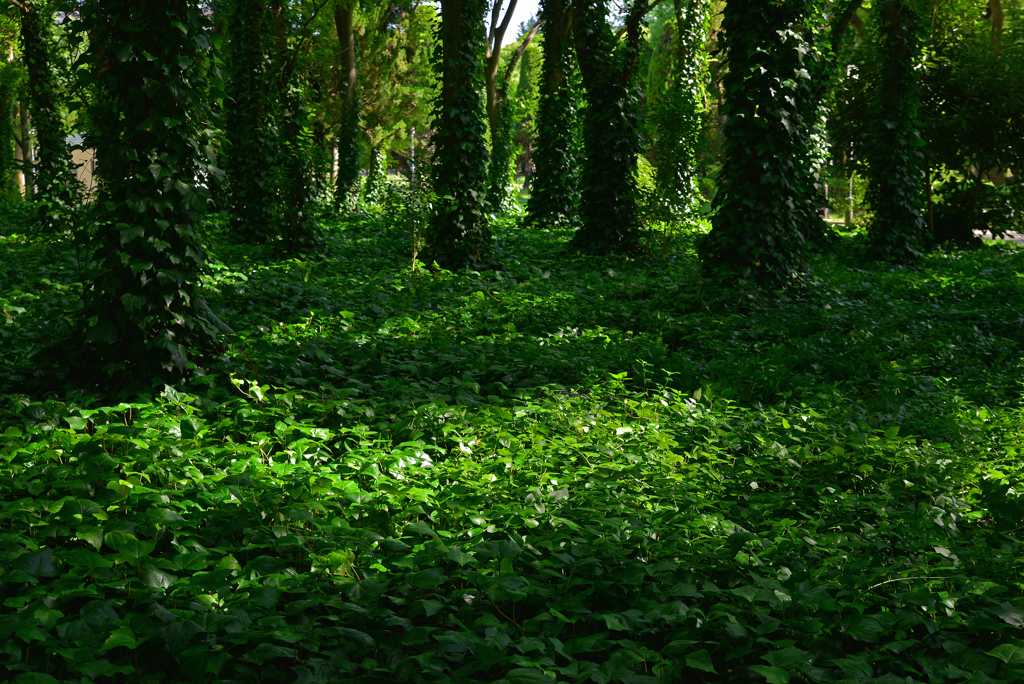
{"x":759,"y":229}
{"x":502,"y":188}
{"x":610,"y":128}
{"x":151,"y":134}
{"x":895,"y":167}
{"x":57,"y":188}
{"x":554,"y":185}
{"x":675,"y":97}
{"x":250,"y":128}
{"x":459,"y":234}
{"x":11,"y":75}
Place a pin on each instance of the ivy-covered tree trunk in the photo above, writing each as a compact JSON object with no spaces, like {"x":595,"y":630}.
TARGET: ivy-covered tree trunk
{"x":56,"y":184}
{"x":298,"y":190}
{"x":249,"y":123}
{"x":8,"y":169}
{"x":675,"y":95}
{"x":554,"y":184}
{"x":377,"y":176}
{"x":758,"y":231}
{"x":610,"y":129}
{"x":459,"y":234}
{"x":347,"y":180}
{"x":150,"y":120}
{"x":295,"y":172}
{"x":895,"y":163}
{"x":501,"y":185}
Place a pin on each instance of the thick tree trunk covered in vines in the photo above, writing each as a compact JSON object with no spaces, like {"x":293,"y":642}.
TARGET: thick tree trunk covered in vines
{"x":459,"y":234}
{"x":895,"y":163}
{"x":249,"y":123}
{"x":554,"y":184}
{"x":23,"y":151}
{"x":9,"y":191}
{"x":758,"y":231}
{"x":501,"y":184}
{"x":610,"y":129}
{"x":55,"y":181}
{"x":295,"y":172}
{"x":346,"y":182}
{"x":675,"y":98}
{"x":149,"y":129}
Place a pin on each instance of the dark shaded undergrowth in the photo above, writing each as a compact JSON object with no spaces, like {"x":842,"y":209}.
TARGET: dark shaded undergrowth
{"x":571,"y":469}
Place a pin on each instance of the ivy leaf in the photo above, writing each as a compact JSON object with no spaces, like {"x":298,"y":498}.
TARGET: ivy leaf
{"x":37,"y":564}
{"x":35,"y":678}
{"x":774,"y":675}
{"x":122,"y":636}
{"x":1008,"y":653}
{"x":737,"y":540}
{"x":90,"y":535}
{"x":1010,"y":614}
{"x":527,"y":675}
{"x":455,"y":555}
{"x":701,"y":660}
{"x":133,"y":550}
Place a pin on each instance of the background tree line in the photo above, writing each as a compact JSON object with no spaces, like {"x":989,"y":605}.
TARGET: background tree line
{"x":733,"y":116}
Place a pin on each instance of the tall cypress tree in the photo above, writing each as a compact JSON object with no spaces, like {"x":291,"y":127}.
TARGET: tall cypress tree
{"x":150,"y":120}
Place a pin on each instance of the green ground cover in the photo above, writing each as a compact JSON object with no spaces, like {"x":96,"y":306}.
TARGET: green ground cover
{"x":571,"y":469}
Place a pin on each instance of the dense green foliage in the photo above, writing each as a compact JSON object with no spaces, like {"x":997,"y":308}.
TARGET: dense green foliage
{"x":895,"y":164}
{"x":760,"y":231}
{"x":675,"y":93}
{"x":554,"y":187}
{"x":249,"y":122}
{"x":563,"y":471}
{"x":56,"y":186}
{"x":608,"y":192}
{"x":501,"y":187}
{"x":972,"y":97}
{"x":143,"y":312}
{"x":460,"y":235}
{"x":10,"y":75}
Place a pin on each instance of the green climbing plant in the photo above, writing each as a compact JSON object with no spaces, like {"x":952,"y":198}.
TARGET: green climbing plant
{"x":459,"y":234}
{"x":250,"y":126}
{"x":150,"y":130}
{"x":376,"y":179}
{"x":676,"y":84}
{"x":57,"y":187}
{"x":758,"y":229}
{"x":895,"y":165}
{"x":610,"y":128}
{"x":554,"y":185}
{"x":11,"y":75}
{"x":502,"y":187}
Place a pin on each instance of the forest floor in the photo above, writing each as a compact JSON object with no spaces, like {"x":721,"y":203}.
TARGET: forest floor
{"x":571,"y":469}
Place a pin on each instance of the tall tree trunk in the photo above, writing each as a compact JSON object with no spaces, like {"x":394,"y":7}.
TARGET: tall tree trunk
{"x":24,"y":151}
{"x":611,"y":136}
{"x":895,"y":163}
{"x":554,"y":193}
{"x":150,"y":119}
{"x":346,"y":181}
{"x":251,"y":154}
{"x":459,"y":234}
{"x":759,"y":230}
{"x":56,"y":185}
